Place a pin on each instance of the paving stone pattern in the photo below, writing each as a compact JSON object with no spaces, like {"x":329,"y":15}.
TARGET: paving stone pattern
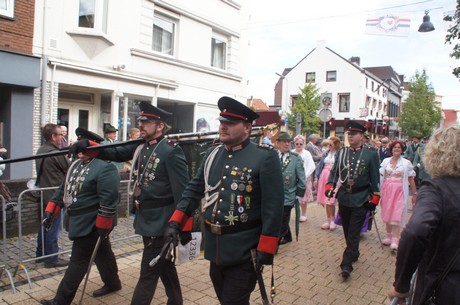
{"x":306,"y":272}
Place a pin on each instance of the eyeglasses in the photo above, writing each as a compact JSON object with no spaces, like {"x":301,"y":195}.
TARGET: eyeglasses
{"x":298,"y":144}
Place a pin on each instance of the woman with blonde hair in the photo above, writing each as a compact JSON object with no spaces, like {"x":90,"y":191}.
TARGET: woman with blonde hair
{"x":429,"y":243}
{"x":322,"y":174}
{"x":309,"y":167}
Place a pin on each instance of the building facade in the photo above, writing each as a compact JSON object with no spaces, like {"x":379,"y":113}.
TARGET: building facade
{"x":100,"y":58}
{"x":348,"y":91}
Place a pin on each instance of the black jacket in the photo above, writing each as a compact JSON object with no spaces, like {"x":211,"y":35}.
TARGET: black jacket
{"x":429,"y":242}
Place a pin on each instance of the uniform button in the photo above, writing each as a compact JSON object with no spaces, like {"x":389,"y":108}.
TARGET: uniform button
{"x":227,"y":166}
{"x":222,"y":189}
{"x":220,"y":200}
{"x":218,"y":212}
{"x":224,"y":177}
{"x":217,"y":223}
{"x":230,"y":156}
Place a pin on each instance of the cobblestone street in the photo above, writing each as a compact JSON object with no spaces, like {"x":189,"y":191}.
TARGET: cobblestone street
{"x":306,"y":272}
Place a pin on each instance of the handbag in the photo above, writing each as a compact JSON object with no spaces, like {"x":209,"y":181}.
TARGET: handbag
{"x":432,"y":299}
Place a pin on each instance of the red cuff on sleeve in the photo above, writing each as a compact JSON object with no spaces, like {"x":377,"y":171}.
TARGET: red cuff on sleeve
{"x":375,"y":199}
{"x":329,"y":187}
{"x":177,"y":216}
{"x":268,"y":244}
{"x":53,"y":208}
{"x":187,"y":224}
{"x":103,"y":222}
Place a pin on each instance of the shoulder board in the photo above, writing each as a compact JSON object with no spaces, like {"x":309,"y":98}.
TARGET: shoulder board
{"x":171,"y":143}
{"x":265,"y":146}
{"x":371,"y":148}
{"x":294,"y":154}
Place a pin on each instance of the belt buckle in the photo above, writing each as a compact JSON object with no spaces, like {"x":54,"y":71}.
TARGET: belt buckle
{"x":216,"y":229}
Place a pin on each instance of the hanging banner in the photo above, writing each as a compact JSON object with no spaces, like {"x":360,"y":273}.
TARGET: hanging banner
{"x":388,"y":25}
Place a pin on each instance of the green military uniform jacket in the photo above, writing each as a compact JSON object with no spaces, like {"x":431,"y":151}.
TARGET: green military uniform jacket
{"x":93,"y":188}
{"x":293,"y":178}
{"x":409,"y":154}
{"x":161,"y":172}
{"x":418,"y":162}
{"x":245,"y":197}
{"x":358,"y":172}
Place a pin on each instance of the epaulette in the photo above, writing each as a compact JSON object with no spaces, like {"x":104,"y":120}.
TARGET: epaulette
{"x":171,"y":143}
{"x":294,"y":153}
{"x":265,"y":146}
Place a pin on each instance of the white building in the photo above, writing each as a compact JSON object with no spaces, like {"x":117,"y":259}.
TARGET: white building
{"x":350,"y":91}
{"x":102,"y":57}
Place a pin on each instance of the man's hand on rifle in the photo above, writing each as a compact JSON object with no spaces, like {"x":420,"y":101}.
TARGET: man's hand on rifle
{"x":264,"y":258}
{"x":329,"y":190}
{"x":103,"y":233}
{"x":374,"y":200}
{"x":172,"y":232}
{"x":48,"y":221}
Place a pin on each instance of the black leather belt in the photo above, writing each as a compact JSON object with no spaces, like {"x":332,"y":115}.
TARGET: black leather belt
{"x":86,"y":210}
{"x":157,"y":203}
{"x":226,"y":229}
{"x":354,"y":189}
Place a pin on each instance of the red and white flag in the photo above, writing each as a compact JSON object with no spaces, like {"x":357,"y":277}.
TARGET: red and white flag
{"x":388,"y":25}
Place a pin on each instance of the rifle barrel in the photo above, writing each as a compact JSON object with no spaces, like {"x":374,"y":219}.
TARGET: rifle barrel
{"x":179,"y":137}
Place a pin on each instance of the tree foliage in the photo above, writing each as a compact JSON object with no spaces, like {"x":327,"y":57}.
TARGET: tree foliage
{"x":307,"y":104}
{"x":453,"y":36}
{"x":419,"y":114}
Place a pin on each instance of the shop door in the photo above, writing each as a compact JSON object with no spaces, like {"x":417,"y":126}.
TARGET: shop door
{"x":76,"y":115}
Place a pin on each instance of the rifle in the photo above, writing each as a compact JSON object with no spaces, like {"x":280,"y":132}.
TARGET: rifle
{"x":191,"y":137}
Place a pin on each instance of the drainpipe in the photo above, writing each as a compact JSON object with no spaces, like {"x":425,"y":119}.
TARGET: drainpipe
{"x":44,"y":68}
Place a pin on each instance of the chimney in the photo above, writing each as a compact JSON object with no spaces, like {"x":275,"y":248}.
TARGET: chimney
{"x":355,"y":60}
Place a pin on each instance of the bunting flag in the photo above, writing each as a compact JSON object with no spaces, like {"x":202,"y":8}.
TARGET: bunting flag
{"x":388,"y":25}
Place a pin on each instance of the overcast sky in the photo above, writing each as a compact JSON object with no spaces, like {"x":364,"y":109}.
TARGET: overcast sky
{"x":281,"y":33}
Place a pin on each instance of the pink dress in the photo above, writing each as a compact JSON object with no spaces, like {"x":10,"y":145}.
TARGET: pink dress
{"x":392,"y":201}
{"x":323,"y":177}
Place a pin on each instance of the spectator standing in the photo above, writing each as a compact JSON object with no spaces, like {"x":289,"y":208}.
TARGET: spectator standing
{"x":396,"y":175}
{"x":294,"y":182}
{"x":430,"y":240}
{"x":419,"y":164}
{"x":321,"y":177}
{"x":64,"y":143}
{"x":110,"y":136}
{"x":51,"y":172}
{"x":90,"y":196}
{"x":243,"y":188}
{"x":160,"y":175}
{"x":309,"y":167}
{"x":134,"y":134}
{"x":384,"y":151}
{"x":356,"y":168}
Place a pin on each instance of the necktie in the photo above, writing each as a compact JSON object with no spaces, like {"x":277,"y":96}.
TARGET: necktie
{"x":282,"y":159}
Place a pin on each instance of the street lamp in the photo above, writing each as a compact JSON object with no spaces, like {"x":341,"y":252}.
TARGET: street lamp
{"x":426,"y":26}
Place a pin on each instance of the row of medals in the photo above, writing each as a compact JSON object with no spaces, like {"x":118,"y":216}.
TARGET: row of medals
{"x":75,"y":183}
{"x":244,"y":202}
{"x":148,"y":174}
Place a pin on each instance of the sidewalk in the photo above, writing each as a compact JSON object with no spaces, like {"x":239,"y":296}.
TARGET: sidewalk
{"x":306,"y":272}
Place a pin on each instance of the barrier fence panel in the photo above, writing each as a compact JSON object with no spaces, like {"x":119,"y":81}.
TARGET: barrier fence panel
{"x":21,"y":251}
{"x":4,"y":264}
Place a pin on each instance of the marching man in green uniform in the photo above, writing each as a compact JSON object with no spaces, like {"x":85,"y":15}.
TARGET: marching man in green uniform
{"x":356,"y":171}
{"x":294,"y":182}
{"x":243,"y":188}
{"x":159,"y":175}
{"x":90,"y":197}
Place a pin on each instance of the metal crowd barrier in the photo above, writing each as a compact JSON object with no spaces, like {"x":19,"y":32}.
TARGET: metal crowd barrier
{"x":20,"y":259}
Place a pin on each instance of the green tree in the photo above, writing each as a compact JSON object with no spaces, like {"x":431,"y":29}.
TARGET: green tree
{"x":453,"y":36}
{"x":307,"y":104}
{"x":419,"y":114}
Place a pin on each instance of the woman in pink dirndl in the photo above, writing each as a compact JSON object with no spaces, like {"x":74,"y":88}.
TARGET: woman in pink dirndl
{"x":396,"y":175}
{"x":322,"y":174}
